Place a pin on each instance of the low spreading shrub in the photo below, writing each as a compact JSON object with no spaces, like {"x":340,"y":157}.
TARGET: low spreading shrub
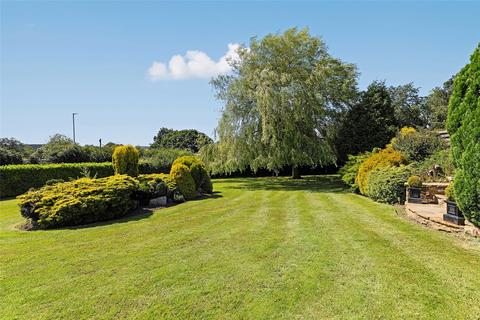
{"x":350,"y":169}
{"x":125,"y":160}
{"x":387,"y":184}
{"x":203,"y":183}
{"x":78,"y":202}
{"x":384,"y":158}
{"x":17,"y":179}
{"x":184,"y":180}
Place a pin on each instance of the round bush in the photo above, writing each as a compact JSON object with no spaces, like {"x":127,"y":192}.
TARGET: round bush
{"x":387,"y":184}
{"x":125,"y":160}
{"x":415,"y":181}
{"x":184,"y":180}
{"x":203,"y":183}
{"x":449,"y":192}
{"x":384,"y":158}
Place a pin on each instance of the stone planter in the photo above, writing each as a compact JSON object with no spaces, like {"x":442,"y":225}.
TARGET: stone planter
{"x":414,"y":195}
{"x":454,"y":215}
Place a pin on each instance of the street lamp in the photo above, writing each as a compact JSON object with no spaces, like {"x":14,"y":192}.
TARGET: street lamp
{"x":73,"y":122}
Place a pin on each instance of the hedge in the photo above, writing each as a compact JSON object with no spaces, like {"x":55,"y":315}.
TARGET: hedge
{"x":17,"y":179}
{"x":79,"y":202}
{"x":463,"y":124}
{"x":203,"y":183}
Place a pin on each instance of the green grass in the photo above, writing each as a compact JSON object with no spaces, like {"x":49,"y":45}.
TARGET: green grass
{"x":263,"y":249}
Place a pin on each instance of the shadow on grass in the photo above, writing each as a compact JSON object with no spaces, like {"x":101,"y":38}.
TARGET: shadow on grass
{"x":325,"y":183}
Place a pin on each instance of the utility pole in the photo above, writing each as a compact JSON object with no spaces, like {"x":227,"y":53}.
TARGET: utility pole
{"x":73,"y":122}
{"x":100,"y":142}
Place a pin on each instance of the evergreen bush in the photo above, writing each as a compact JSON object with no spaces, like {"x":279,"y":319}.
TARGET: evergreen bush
{"x":184,"y":180}
{"x":387,"y":184}
{"x":78,"y":202}
{"x":125,"y":160}
{"x":463,"y":125}
{"x":384,"y":158}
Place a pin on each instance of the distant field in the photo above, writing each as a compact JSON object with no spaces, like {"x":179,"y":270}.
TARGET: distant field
{"x":264,"y":248}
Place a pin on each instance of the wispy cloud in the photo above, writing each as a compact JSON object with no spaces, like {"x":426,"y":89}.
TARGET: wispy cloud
{"x":194,"y":64}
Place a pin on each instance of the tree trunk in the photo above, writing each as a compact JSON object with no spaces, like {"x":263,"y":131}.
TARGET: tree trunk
{"x":296,"y":173}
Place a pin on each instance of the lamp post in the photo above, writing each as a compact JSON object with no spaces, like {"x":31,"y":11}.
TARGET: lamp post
{"x":73,"y":122}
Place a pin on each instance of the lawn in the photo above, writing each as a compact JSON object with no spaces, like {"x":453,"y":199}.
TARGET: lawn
{"x":262,"y":248}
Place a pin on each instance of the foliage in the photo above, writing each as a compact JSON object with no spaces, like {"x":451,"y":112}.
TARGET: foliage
{"x":463,"y":125}
{"x":203,"y":183}
{"x":78,"y":202}
{"x":350,"y":169}
{"x":97,"y":154}
{"x":53,"y":181}
{"x":125,"y":160}
{"x":280,"y":100}
{"x":162,"y":158}
{"x":8,"y":156}
{"x":450,"y":192}
{"x":190,"y":139}
{"x":437,"y":167}
{"x":368,"y":124}
{"x":410,"y":108}
{"x":417,"y":145}
{"x":59,"y":149}
{"x":384,"y":158}
{"x":184,"y":180}
{"x":387,"y":184}
{"x":159,"y":183}
{"x":437,"y":102}
{"x":17,"y":179}
{"x":415,"y":181}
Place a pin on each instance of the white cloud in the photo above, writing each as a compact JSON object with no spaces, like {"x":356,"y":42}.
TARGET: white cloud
{"x":194,"y":64}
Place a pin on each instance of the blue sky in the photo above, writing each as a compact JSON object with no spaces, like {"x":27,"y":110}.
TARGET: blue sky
{"x":94,"y":57}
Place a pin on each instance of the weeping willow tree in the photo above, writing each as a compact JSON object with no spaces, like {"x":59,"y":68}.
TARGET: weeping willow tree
{"x":281,"y":101}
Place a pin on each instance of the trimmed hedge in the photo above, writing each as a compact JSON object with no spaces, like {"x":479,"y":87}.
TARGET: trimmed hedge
{"x":155,"y":179}
{"x":17,"y":179}
{"x":78,"y":202}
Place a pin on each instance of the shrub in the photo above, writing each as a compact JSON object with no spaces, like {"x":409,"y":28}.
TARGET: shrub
{"x":17,"y":179}
{"x":161,"y":182}
{"x":450,"y":192}
{"x":53,"y":181}
{"x":383,"y":158}
{"x":203,"y":183}
{"x":350,"y":169}
{"x":415,"y":182}
{"x":463,"y":125}
{"x":387,"y":184}
{"x":437,"y":167}
{"x":184,"y":180}
{"x":125,"y":160}
{"x":161,"y":159}
{"x":9,"y":157}
{"x":78,"y":202}
{"x":417,"y":145}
